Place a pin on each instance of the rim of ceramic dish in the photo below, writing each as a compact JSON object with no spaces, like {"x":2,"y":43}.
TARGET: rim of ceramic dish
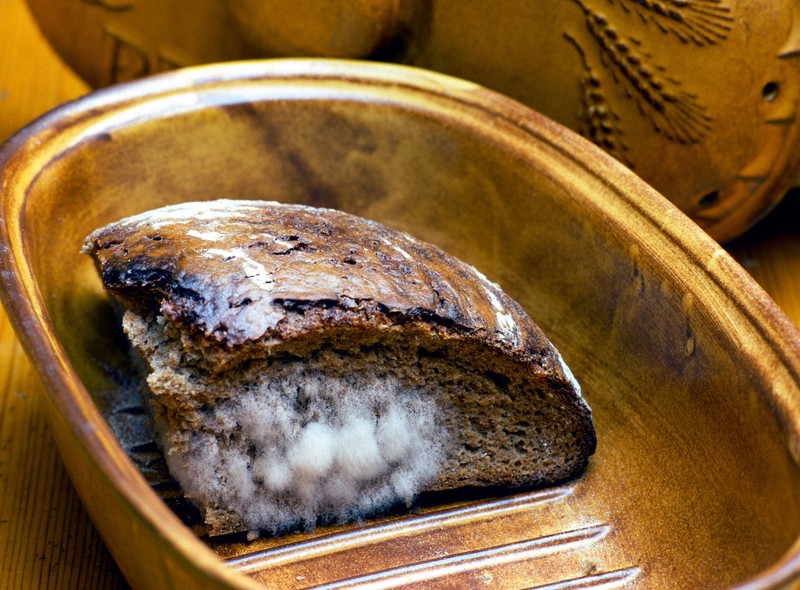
{"x":406,"y":87}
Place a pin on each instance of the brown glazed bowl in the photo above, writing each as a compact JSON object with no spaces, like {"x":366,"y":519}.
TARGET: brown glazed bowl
{"x":691,"y":370}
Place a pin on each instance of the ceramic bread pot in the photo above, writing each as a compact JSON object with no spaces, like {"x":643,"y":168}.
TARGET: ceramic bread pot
{"x":692,"y":372}
{"x":698,"y":97}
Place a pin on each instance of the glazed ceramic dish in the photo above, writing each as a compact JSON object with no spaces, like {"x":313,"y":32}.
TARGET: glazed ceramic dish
{"x":692,"y":372}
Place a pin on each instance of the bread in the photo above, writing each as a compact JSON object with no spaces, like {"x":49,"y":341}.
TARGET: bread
{"x":307,"y":364}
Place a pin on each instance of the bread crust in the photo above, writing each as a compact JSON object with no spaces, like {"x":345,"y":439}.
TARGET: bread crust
{"x":244,"y":272}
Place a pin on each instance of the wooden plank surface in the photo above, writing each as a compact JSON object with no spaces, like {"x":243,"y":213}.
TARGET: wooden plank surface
{"x":46,"y":539}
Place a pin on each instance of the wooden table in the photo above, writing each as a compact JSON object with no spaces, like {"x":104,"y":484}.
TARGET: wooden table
{"x":46,"y":538}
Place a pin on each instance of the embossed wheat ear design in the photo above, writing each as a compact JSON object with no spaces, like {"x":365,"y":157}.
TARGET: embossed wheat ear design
{"x":703,"y":22}
{"x":670,"y":110}
{"x":599,"y":122}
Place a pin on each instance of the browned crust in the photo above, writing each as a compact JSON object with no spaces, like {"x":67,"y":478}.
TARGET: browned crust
{"x":280,"y":271}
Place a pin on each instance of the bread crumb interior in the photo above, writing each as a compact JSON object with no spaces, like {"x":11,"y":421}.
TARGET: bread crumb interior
{"x":284,"y":442}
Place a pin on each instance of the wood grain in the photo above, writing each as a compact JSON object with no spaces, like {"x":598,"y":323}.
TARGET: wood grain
{"x":770,"y":252}
{"x":46,"y":539}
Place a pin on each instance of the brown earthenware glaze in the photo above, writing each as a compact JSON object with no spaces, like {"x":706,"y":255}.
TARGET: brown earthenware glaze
{"x":698,"y":97}
{"x":692,"y":372}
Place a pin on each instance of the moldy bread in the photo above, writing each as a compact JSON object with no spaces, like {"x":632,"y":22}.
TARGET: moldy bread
{"x":305,"y":364}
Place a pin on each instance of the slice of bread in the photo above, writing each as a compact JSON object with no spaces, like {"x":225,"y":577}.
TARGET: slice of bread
{"x":307,"y":364}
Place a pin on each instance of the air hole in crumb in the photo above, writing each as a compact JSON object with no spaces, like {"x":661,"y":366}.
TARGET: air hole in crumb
{"x":501,"y":381}
{"x":770,"y":91}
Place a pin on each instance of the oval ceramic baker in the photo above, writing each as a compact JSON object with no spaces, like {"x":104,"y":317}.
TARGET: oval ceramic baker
{"x":691,"y":370}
